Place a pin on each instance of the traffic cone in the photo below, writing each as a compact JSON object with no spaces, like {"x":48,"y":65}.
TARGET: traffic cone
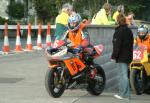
{"x":48,"y":37}
{"x":39,"y":41}
{"x":29,"y":42}
{"x":18,"y":42}
{"x":6,"y":47}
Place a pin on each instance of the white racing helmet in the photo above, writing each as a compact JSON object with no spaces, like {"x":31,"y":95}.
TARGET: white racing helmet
{"x":143,"y":28}
{"x":74,"y":18}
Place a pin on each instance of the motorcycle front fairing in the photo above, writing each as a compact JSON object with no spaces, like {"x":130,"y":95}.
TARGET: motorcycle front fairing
{"x":59,"y":54}
{"x":140,"y":59}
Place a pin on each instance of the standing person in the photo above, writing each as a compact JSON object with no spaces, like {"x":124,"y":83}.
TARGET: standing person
{"x":62,"y":20}
{"x":122,"y":54}
{"x":103,"y":16}
{"x":120,"y":9}
{"x":129,"y":19}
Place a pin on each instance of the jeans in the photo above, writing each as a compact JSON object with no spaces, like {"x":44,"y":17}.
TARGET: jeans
{"x":124,"y":88}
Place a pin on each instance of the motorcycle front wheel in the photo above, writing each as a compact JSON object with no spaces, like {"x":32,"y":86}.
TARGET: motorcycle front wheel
{"x":137,"y":81}
{"x":54,"y":86}
{"x":96,"y":87}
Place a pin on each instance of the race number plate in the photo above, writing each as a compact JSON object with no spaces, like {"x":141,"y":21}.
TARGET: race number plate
{"x":137,"y":54}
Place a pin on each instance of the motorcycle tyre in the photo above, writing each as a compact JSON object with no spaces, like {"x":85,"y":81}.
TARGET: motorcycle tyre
{"x":133,"y":74}
{"x":91,"y":86}
{"x":147,"y":91}
{"x":49,"y":78}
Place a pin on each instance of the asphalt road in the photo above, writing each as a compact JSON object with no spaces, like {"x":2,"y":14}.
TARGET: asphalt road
{"x":22,"y":81}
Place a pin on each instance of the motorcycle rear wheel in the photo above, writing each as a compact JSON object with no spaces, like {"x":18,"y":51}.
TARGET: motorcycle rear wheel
{"x":147,"y":91}
{"x":96,"y":87}
{"x":136,"y":82}
{"x":52,"y":85}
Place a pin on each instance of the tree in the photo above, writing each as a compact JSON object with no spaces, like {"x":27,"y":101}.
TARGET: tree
{"x":15,"y":10}
{"x":46,"y":9}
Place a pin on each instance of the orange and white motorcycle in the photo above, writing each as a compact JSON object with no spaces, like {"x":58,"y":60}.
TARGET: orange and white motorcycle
{"x":68,"y":70}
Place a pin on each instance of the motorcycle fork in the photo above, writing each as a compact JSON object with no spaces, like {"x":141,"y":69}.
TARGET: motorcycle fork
{"x":61,"y":75}
{"x":141,"y":74}
{"x":139,"y":68}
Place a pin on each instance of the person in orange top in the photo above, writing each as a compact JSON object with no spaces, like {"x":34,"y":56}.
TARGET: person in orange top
{"x":77,"y":33}
{"x":143,"y":38}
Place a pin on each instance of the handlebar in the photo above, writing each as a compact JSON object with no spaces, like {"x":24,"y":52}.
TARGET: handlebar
{"x":75,"y":50}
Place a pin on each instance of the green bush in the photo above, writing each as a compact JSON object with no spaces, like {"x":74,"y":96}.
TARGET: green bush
{"x":3,"y":20}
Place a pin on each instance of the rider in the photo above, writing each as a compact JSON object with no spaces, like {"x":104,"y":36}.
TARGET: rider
{"x":77,"y":33}
{"x":143,"y":38}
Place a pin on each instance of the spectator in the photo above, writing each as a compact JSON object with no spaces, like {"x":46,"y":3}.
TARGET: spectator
{"x":120,"y":9}
{"x":122,"y":54}
{"x":62,"y":20}
{"x":129,"y":19}
{"x":103,"y":16}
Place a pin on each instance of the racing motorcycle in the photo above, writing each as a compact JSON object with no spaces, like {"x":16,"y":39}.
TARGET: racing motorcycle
{"x":140,"y":72}
{"x":69,"y":70}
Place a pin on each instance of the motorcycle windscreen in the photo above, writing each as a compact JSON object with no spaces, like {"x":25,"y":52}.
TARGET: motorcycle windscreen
{"x":74,"y":65}
{"x":58,"y":43}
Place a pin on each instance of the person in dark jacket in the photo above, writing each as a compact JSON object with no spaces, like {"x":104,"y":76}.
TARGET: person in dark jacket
{"x":122,"y":54}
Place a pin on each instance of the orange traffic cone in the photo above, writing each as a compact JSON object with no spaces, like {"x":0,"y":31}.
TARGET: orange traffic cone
{"x":29,"y":42}
{"x":48,"y":37}
{"x":39,"y":41}
{"x":18,"y":42}
{"x":6,"y":47}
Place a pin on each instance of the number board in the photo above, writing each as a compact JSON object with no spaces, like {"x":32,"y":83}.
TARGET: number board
{"x":137,"y":54}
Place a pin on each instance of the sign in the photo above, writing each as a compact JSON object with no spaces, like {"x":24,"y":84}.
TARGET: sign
{"x":137,"y":54}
